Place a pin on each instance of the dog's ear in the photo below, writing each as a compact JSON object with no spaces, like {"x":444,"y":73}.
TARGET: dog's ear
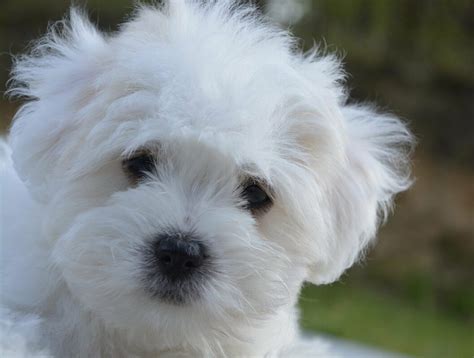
{"x":57,"y":78}
{"x":375,"y":168}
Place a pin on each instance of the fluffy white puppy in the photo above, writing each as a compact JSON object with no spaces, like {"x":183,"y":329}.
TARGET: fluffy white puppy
{"x":180,"y":180}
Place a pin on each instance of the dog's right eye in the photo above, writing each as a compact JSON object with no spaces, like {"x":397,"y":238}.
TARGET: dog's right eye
{"x":138,"y":166}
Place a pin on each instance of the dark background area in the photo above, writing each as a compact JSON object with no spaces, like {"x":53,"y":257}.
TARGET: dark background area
{"x":415,"y":291}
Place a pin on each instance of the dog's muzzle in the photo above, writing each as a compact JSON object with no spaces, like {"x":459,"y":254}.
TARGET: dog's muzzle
{"x":174,"y":267}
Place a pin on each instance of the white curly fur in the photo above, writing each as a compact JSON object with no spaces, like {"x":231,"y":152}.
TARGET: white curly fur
{"x":224,"y":95}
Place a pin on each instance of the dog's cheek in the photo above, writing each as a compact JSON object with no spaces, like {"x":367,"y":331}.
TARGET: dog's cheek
{"x":282,"y":228}
{"x":96,"y":261}
{"x":249,"y":271}
{"x":80,"y":196}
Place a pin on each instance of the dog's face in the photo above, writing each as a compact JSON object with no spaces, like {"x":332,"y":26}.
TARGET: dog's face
{"x":196,"y":171}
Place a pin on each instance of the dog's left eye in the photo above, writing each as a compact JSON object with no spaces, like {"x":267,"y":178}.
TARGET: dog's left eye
{"x":138,"y":166}
{"x":256,"y":197}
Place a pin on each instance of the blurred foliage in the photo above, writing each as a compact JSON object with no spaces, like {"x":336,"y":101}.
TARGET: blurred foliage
{"x":380,"y":319}
{"x":414,"y":57}
{"x":415,"y":292}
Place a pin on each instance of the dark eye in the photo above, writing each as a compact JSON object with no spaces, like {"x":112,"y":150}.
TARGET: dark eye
{"x":256,"y":197}
{"x":138,"y":166}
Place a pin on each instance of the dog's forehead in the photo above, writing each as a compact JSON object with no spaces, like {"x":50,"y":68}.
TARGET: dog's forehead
{"x":210,"y":81}
{"x":198,"y":76}
{"x":251,"y":135}
{"x":242,"y":118}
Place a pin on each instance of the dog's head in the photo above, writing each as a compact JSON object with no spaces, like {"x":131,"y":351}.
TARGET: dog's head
{"x":196,"y":168}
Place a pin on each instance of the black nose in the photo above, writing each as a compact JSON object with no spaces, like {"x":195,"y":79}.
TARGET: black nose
{"x":178,"y":256}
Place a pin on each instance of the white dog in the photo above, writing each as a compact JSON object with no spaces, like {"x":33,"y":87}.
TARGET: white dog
{"x":179,"y":181}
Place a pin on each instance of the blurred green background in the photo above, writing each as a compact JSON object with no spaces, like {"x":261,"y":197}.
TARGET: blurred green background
{"x":415,"y":291}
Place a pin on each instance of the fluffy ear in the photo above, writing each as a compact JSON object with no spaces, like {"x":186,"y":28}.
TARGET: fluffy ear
{"x":56,"y":79}
{"x":376,"y":168}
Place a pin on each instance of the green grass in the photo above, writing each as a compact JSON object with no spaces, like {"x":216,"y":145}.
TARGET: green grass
{"x":360,"y":314}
